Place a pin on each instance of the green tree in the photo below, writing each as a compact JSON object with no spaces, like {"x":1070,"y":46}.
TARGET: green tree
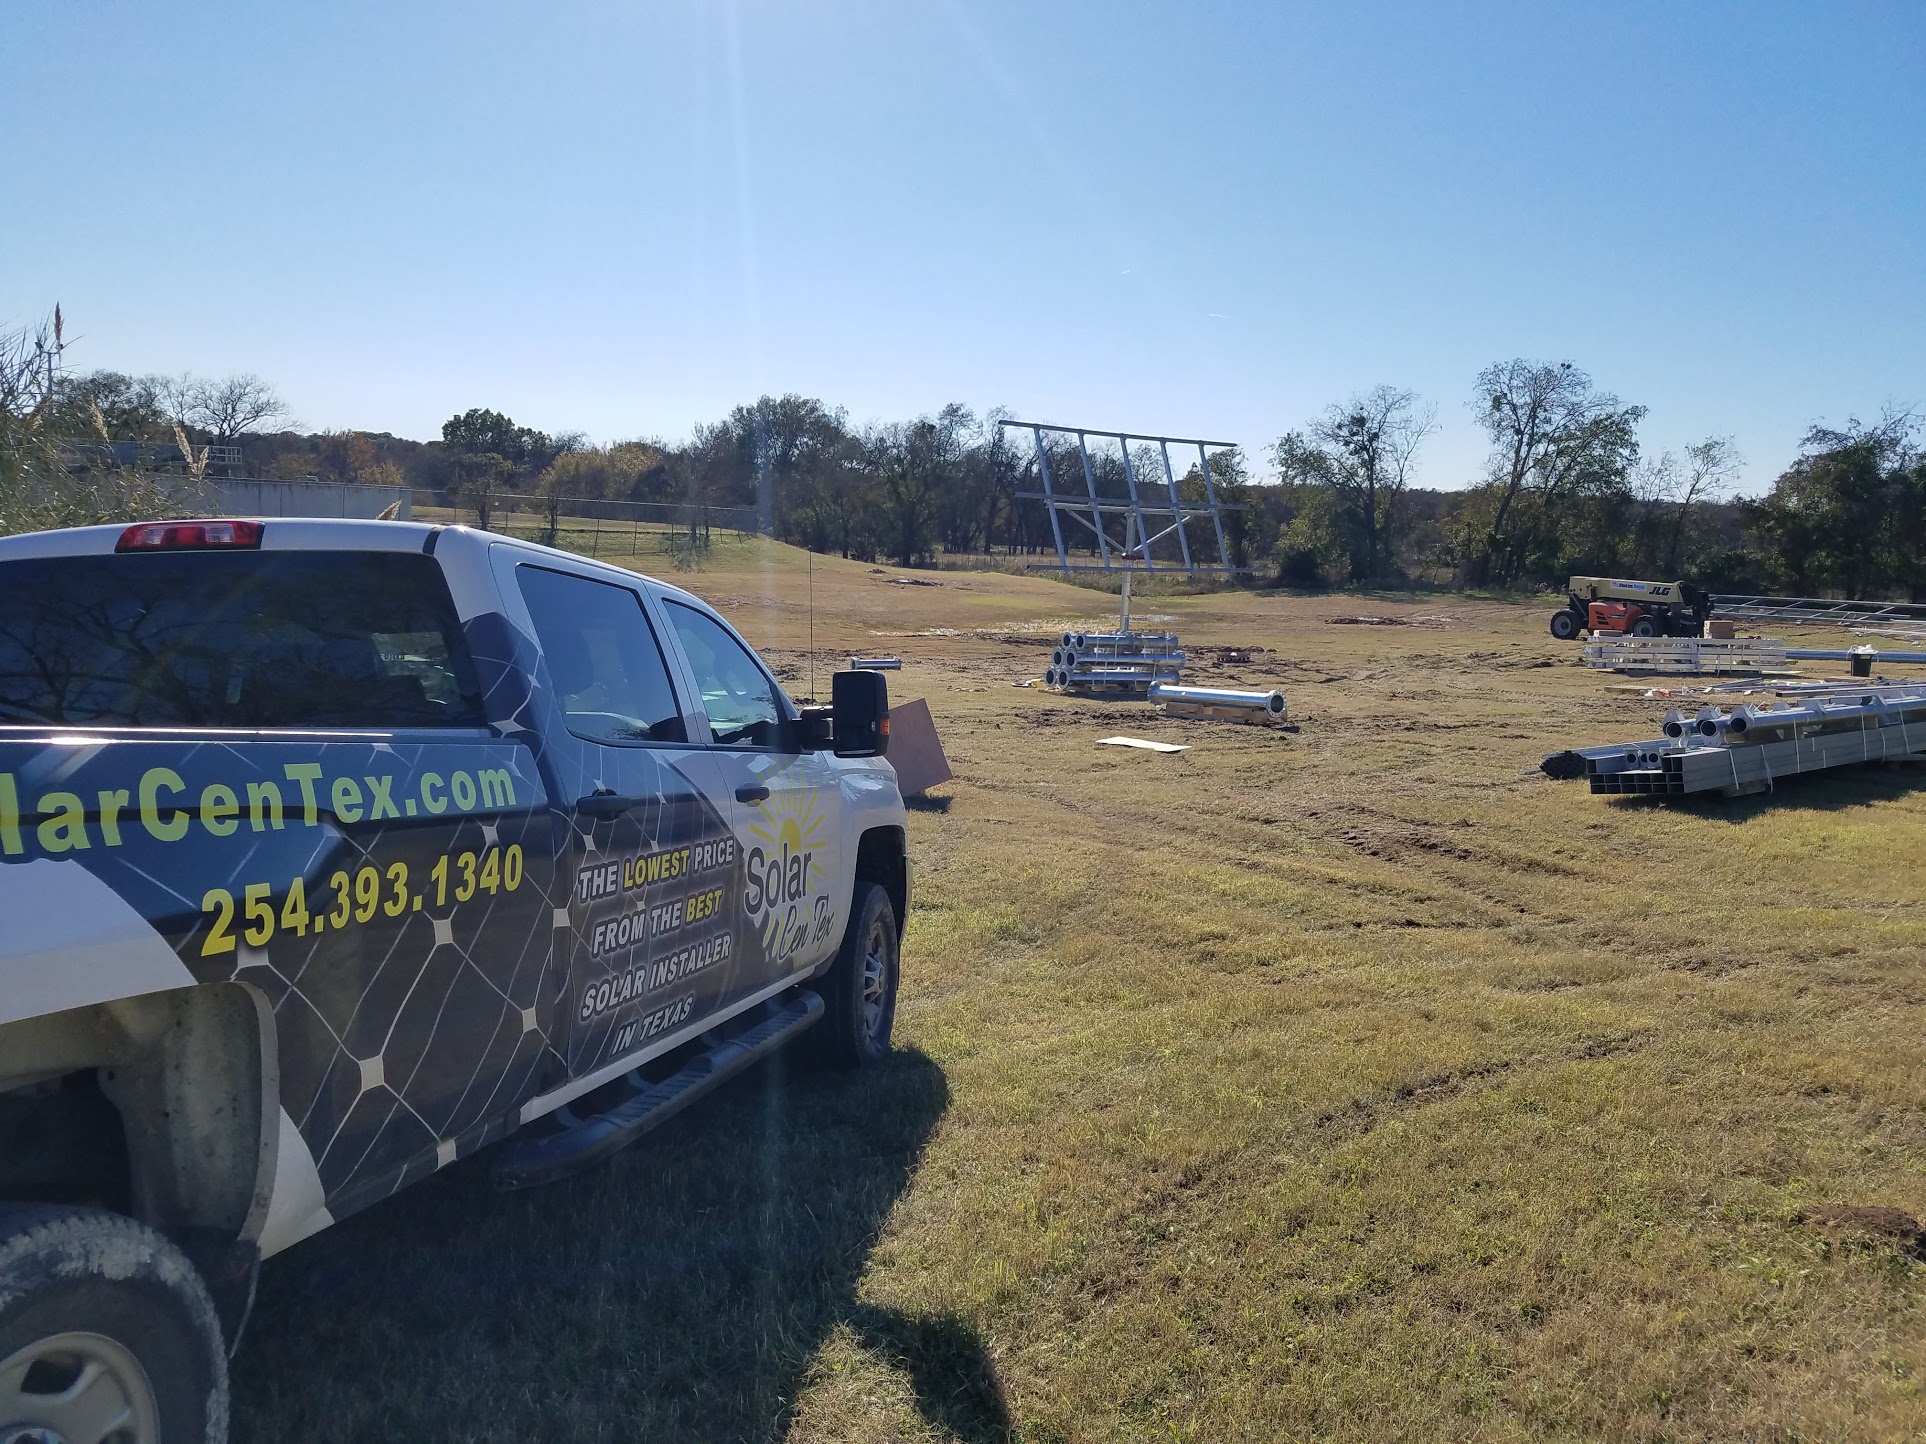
{"x":1840,"y":518}
{"x":480,"y":432}
{"x":1363,"y":450}
{"x":1557,"y":444}
{"x":480,"y":483}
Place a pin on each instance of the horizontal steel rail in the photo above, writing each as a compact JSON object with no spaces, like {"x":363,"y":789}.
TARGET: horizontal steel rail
{"x":1813,"y":609}
{"x":1715,"y":654}
{"x":1118,"y":435}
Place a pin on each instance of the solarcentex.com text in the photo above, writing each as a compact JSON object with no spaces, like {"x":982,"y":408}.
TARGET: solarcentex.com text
{"x":163,"y":806}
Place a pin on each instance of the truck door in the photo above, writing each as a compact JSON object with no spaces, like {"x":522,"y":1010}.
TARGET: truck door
{"x":652,"y":879}
{"x":281,"y":761}
{"x":790,"y":817}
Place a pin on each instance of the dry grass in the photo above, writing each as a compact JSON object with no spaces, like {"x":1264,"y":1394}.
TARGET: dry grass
{"x":1354,"y":1083}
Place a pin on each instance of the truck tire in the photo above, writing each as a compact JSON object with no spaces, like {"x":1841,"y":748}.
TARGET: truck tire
{"x":1645,"y":627}
{"x":859,"y":990}
{"x":106,"y":1332}
{"x":1565,"y":624}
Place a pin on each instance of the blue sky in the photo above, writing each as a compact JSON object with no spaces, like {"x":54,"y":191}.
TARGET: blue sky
{"x":1199,"y":218}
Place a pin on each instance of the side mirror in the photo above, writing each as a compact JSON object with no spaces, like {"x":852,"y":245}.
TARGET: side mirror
{"x":816,"y":730}
{"x":860,"y":706}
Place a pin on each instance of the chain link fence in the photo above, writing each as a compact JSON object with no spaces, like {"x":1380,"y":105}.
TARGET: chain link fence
{"x":594,"y":526}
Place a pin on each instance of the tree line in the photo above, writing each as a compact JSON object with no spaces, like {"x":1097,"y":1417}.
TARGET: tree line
{"x":1567,"y":486}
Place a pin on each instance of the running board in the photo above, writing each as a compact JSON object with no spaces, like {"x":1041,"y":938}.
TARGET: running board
{"x":550,"y":1157}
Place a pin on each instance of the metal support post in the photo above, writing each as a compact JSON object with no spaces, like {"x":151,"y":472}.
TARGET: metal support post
{"x":1136,"y":506}
{"x":1096,"y":512}
{"x":1216,"y":514}
{"x":1176,"y":505}
{"x":1056,"y":524}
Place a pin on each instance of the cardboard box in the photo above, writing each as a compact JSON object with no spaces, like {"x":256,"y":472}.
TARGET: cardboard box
{"x":914,"y":750}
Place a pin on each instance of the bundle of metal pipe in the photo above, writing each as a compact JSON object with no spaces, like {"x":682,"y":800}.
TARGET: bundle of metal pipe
{"x":875,"y":664}
{"x":1746,"y":748}
{"x":1114,"y":662}
{"x":1126,"y":641}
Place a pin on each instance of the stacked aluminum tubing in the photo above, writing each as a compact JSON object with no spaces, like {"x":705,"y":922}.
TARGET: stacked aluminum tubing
{"x":1691,"y":655}
{"x":1219,"y":701}
{"x":1697,"y":655}
{"x":875,"y":664}
{"x":1125,"y":663}
{"x":1748,"y":749}
{"x":1814,"y":610}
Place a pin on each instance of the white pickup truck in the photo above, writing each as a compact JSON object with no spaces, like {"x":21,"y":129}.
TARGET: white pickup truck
{"x":332,"y":852}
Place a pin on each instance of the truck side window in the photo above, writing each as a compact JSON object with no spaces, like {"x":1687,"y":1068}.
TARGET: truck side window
{"x":736,"y":693}
{"x":603,"y":658}
{"x":241,"y":639}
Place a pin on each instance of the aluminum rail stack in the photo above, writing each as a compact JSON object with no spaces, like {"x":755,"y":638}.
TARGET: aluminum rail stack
{"x":1694,"y":656}
{"x":1820,"y":610}
{"x":1689,"y":655}
{"x":1114,"y":663}
{"x":1748,"y":749}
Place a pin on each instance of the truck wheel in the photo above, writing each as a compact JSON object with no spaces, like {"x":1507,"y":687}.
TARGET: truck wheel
{"x":1645,"y":627}
{"x":1565,"y":624}
{"x":860,"y":987}
{"x":106,"y":1333}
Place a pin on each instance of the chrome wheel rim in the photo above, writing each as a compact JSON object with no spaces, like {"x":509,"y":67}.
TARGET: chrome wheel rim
{"x":76,"y":1389}
{"x":875,"y":981}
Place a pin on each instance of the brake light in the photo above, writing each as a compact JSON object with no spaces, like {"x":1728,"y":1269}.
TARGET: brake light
{"x":150,"y":536}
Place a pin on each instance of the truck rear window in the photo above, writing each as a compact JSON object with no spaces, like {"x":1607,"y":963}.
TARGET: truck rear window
{"x":233,"y":639}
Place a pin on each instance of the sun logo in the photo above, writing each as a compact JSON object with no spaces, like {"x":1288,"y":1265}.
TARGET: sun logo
{"x":785,"y":867}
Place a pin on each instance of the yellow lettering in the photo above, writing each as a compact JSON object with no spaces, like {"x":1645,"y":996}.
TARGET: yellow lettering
{"x":307,"y":774}
{"x":263,"y":806}
{"x":66,"y":830}
{"x":432,"y":796}
{"x":219,"y":807}
{"x":111,"y":802}
{"x":9,"y":816}
{"x":347,"y":799}
{"x":174,"y":828}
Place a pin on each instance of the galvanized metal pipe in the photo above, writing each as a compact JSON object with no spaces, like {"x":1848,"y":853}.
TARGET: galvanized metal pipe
{"x":1271,"y":702}
{"x":1848,"y":654}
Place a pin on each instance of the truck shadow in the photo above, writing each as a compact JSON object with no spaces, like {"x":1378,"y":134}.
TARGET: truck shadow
{"x":684,"y":1292}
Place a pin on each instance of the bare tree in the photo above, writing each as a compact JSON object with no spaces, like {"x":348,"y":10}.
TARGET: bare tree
{"x":27,"y":451}
{"x":1711,"y":467}
{"x":230,"y":408}
{"x":43,"y":484}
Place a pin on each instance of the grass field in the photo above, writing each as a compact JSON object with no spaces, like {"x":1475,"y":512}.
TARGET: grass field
{"x":1354,"y":1083}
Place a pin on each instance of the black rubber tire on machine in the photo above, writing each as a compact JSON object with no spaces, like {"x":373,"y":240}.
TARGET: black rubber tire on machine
{"x":859,"y":990}
{"x":1645,"y":627}
{"x":99,"y":1316}
{"x":1566,"y":624}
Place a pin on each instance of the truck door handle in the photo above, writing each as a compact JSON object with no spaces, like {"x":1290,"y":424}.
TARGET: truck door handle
{"x":604,"y":804}
{"x":752,"y":792}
